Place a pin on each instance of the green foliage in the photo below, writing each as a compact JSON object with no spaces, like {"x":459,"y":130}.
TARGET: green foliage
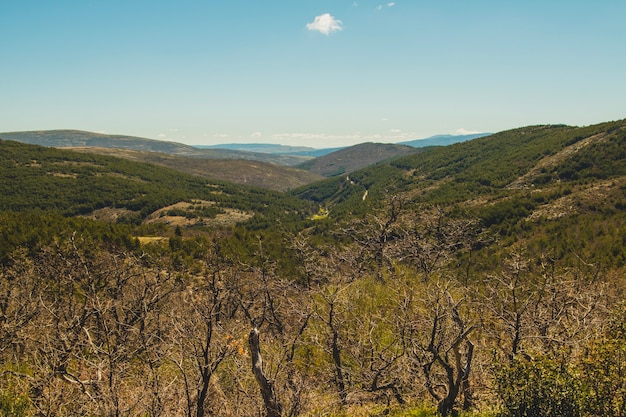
{"x":603,"y":377}
{"x":600,"y":160}
{"x":33,"y":229}
{"x":590,"y":385}
{"x":602,"y":370}
{"x":14,"y":402}
{"x":510,"y":210}
{"x":12,"y":405}
{"x":194,"y":212}
{"x":541,"y":387}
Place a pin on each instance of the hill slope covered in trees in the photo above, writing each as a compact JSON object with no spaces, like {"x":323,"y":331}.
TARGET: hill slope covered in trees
{"x":349,"y":159}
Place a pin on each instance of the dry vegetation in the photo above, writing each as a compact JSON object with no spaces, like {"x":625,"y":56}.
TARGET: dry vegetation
{"x":379,"y":326}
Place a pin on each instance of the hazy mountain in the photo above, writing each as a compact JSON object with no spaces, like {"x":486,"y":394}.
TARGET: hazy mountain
{"x":277,"y":149}
{"x":443,"y":140}
{"x":273,"y":148}
{"x":261,"y":148}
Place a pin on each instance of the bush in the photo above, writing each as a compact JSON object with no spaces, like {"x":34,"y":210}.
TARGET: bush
{"x":537,"y":388}
{"x":602,"y":371}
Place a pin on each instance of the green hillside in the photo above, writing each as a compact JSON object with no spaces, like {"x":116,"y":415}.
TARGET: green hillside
{"x":347,"y":160}
{"x":519,"y":183}
{"x":75,"y":183}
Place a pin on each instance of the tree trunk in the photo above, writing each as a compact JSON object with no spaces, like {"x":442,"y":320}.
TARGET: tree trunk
{"x":272,"y":405}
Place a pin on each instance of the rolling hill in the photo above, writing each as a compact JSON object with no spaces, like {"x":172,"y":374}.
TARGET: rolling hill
{"x":238,"y":171}
{"x":352,"y":158}
{"x":78,"y":138}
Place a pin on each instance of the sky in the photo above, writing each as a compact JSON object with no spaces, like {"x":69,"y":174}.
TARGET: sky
{"x":318,"y":73}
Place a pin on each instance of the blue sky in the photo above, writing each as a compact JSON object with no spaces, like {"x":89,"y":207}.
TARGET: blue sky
{"x":318,"y":73}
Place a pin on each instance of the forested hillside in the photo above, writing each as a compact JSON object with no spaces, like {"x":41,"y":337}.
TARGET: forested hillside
{"x":516,"y":183}
{"x":481,"y":278}
{"x":76,"y":184}
{"x":347,"y":160}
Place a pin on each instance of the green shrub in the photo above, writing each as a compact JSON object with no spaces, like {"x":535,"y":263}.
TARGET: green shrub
{"x":13,"y":405}
{"x":537,"y":388}
{"x":602,"y":371}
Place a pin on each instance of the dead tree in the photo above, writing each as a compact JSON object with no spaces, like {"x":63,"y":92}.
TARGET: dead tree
{"x":272,"y":405}
{"x":528,"y":310}
{"x":445,"y":355}
{"x":202,"y":338}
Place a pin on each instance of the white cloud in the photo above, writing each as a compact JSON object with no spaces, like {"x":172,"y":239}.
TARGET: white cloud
{"x":462,"y":131}
{"x":256,"y":135}
{"x":161,"y":135}
{"x":395,"y":130}
{"x":325,"y":24}
{"x":391,"y":4}
{"x":379,"y":7}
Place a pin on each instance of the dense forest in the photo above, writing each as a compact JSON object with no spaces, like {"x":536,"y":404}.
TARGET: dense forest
{"x":481,"y":278}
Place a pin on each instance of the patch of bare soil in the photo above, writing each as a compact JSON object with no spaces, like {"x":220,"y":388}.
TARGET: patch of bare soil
{"x":108,"y":214}
{"x":549,"y":161}
{"x":229,"y":217}
{"x":144,"y":240}
{"x":571,"y":204}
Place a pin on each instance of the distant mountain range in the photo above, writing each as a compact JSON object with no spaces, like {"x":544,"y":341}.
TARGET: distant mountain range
{"x":443,"y":140}
{"x":260,"y":147}
{"x":272,"y":148}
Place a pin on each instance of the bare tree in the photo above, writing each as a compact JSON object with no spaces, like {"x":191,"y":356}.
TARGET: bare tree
{"x":97,"y":322}
{"x":440,"y":347}
{"x":281,"y":309}
{"x":375,"y":330}
{"x":372,"y":237}
{"x":19,"y":303}
{"x":528,"y":311}
{"x":201,"y":338}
